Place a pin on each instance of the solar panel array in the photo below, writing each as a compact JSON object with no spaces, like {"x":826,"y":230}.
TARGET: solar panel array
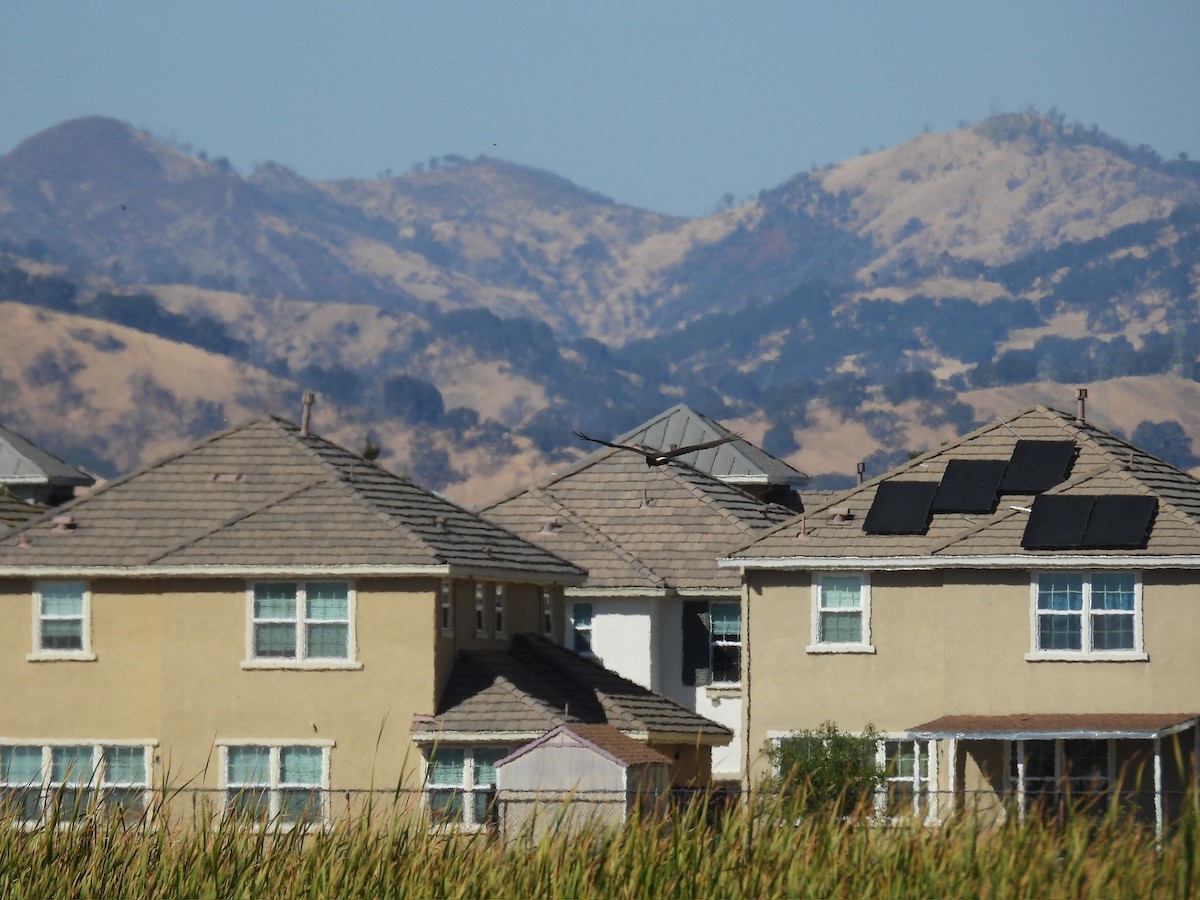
{"x":1037,"y":466}
{"x":1101,"y":522}
{"x":969,"y":486}
{"x":900,"y":507}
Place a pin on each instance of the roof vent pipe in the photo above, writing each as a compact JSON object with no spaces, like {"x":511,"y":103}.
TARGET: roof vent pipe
{"x":306,"y":417}
{"x":862,"y":471}
{"x":1081,"y":407}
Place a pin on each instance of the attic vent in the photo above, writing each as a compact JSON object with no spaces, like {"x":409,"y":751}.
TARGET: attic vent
{"x":550,"y":525}
{"x":840,"y":515}
{"x":228,"y":478}
{"x":439,"y":524}
{"x":63,"y":524}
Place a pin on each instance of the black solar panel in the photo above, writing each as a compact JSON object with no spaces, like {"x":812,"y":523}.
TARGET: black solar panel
{"x":900,"y":507}
{"x":1037,"y":466}
{"x":1120,"y":521}
{"x":1057,"y":522}
{"x":969,"y":485}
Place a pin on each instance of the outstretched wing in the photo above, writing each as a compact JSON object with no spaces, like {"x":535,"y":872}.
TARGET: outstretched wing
{"x":584,"y":437}
{"x":692,"y":448}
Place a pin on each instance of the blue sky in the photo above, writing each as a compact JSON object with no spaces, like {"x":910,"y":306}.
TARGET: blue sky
{"x":663,"y":104}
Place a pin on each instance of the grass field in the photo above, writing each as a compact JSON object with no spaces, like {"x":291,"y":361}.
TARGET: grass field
{"x":744,"y":855}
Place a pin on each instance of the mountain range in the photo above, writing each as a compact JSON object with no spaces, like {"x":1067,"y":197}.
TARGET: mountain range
{"x":466,"y":317}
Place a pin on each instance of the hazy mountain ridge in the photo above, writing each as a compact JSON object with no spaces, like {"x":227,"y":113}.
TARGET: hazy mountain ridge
{"x":472,"y":315}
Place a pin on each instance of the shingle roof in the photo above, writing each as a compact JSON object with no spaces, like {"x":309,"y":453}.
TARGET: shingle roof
{"x":263,"y":496}
{"x":633,"y":526}
{"x":737,"y":461}
{"x":605,"y":739}
{"x":536,"y":685}
{"x":1105,"y":465}
{"x":14,"y":511}
{"x":21,"y":461}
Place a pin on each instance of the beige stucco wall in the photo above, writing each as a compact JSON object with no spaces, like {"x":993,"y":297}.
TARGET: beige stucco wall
{"x":952,"y":642}
{"x":169,"y":669}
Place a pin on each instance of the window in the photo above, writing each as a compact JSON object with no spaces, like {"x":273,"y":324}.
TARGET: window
{"x":276,"y":786}
{"x":841,"y":614}
{"x":547,"y":612}
{"x":581,"y":628}
{"x":480,"y":610}
{"x":1046,"y":773}
{"x":61,"y":621}
{"x":712,"y":642}
{"x":302,"y":622}
{"x":461,"y":785}
{"x":498,"y":610}
{"x":65,"y":782}
{"x":1095,"y":614}
{"x":446,"y":609}
{"x":907,"y":778}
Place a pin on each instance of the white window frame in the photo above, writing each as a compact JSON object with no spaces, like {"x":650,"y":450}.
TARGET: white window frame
{"x":498,"y":611}
{"x":467,"y":788}
{"x":446,"y":608}
{"x":714,"y":642}
{"x":301,"y":621}
{"x":84,"y":653}
{"x":924,"y":800}
{"x":1085,"y":652}
{"x":276,"y":786}
{"x":864,"y":645}
{"x":548,"y":613}
{"x":98,"y":785}
{"x":481,"y":623}
{"x":1059,"y":780}
{"x":588,"y":629}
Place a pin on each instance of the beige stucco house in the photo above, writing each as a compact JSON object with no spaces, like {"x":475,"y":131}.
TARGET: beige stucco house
{"x":252,"y":623}
{"x":1016,"y":613}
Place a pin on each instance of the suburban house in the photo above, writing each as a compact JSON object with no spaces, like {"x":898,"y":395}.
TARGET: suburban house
{"x":256,"y":622}
{"x":656,"y":607}
{"x":1014,"y":612}
{"x":30,"y":474}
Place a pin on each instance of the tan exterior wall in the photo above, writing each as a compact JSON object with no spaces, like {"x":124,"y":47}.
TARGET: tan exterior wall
{"x":169,"y":669}
{"x":947,"y":643}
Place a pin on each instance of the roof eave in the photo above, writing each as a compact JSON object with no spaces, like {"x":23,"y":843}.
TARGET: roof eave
{"x":270,"y":571}
{"x":1006,"y":561}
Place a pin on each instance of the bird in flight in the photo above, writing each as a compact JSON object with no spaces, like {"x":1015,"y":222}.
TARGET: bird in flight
{"x":656,"y":457}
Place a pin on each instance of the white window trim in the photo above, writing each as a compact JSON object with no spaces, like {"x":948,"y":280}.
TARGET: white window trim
{"x":591,"y":654}
{"x":97,"y":783}
{"x":276,"y":786}
{"x":714,"y":686}
{"x":301,"y":661}
{"x":446,"y":608}
{"x":499,"y":612}
{"x":925,"y":805}
{"x":467,"y":789}
{"x":85,"y":654}
{"x":481,"y":622}
{"x":547,"y":613}
{"x":816,"y":645}
{"x":1137,"y":654}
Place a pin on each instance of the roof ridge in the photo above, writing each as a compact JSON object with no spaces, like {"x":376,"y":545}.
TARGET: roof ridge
{"x":597,"y":535}
{"x":587,"y":461}
{"x":237,"y":517}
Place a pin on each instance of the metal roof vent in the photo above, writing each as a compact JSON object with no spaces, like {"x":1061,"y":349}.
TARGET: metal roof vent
{"x":1081,"y":407}
{"x":645,"y":499}
{"x":550,"y":525}
{"x":24,"y":543}
{"x":803,"y":535}
{"x":306,"y":417}
{"x":63,"y":524}
{"x":439,"y":524}
{"x":840,"y":515}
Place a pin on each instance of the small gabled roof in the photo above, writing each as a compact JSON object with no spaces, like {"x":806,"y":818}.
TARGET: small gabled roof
{"x":639,"y":527}
{"x":536,"y":685}
{"x":1103,"y":465}
{"x":23,"y":462}
{"x":738,"y":462}
{"x":602,"y":739}
{"x":265,"y":498}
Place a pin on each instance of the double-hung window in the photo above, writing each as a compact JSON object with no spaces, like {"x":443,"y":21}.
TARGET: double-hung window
{"x":63,"y":783}
{"x":1093,"y":615}
{"x":276,"y":785}
{"x":302,"y":623}
{"x":547,"y":612}
{"x":460,"y":785}
{"x":481,"y":623}
{"x":62,"y":610}
{"x":446,"y":608}
{"x":581,"y":628}
{"x":841,"y":617}
{"x":907,"y":778}
{"x":498,"y":623}
{"x":725,"y":641}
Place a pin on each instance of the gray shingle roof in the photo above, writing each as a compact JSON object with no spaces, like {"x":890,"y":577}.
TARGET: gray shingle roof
{"x":633,"y":526}
{"x":21,"y":461}
{"x":14,"y":511}
{"x":737,"y":461}
{"x":604,"y":738}
{"x":536,"y":685}
{"x":262,"y":496}
{"x":1105,"y":465}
